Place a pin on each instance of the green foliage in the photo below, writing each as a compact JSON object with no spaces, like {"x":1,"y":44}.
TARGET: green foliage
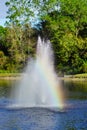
{"x":64,"y":22}
{"x":84,"y":66}
{"x":84,"y":75}
{"x":19,"y":12}
{"x":3,"y":45}
{"x":20,"y":45}
{"x":3,"y":60}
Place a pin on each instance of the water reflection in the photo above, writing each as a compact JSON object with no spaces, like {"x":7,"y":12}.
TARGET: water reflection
{"x":5,"y":87}
{"x":76,"y":89}
{"x":74,"y":118}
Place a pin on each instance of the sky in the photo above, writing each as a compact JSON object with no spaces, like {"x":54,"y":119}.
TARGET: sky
{"x":3,"y":14}
{"x":3,"y":10}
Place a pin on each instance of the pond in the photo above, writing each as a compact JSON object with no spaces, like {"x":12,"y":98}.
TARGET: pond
{"x":72,"y":118}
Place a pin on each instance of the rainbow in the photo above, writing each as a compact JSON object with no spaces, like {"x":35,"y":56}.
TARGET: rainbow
{"x":52,"y":83}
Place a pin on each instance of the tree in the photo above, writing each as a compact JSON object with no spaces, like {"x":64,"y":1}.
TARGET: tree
{"x":3,"y":45}
{"x":20,"y":35}
{"x":20,"y":46}
{"x":62,"y":21}
{"x":19,"y":12}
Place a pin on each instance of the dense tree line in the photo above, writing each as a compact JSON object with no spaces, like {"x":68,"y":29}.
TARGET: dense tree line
{"x":16,"y":46}
{"x":64,"y":22}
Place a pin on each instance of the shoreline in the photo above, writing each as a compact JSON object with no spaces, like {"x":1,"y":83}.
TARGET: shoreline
{"x":60,"y":78}
{"x":9,"y":78}
{"x":16,"y":76}
{"x":72,"y":79}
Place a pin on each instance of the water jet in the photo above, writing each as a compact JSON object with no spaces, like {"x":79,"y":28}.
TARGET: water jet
{"x":39,"y":85}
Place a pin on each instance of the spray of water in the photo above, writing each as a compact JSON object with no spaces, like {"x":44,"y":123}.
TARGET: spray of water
{"x":39,"y":85}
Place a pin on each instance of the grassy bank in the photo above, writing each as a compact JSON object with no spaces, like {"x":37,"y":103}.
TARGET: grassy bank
{"x":15,"y":75}
{"x":84,"y":75}
{"x":80,"y":75}
{"x":9,"y":75}
{"x":76,"y":77}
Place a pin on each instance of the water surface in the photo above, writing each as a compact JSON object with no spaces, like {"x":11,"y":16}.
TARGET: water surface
{"x":74,"y":117}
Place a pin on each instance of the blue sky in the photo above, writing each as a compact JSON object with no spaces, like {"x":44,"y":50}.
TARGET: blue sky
{"x":3,"y":10}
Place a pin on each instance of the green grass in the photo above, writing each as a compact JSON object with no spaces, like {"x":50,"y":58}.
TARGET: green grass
{"x":84,"y":75}
{"x":79,"y":76}
{"x":9,"y":74}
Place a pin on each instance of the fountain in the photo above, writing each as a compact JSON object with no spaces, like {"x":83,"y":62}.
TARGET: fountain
{"x":39,"y":85}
